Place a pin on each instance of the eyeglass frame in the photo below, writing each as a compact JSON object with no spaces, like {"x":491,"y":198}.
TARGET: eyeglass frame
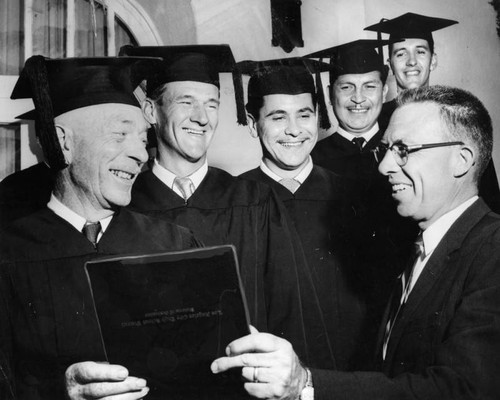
{"x":408,"y":149}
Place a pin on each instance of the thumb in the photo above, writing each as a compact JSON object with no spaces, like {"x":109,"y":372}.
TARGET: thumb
{"x":253,"y":329}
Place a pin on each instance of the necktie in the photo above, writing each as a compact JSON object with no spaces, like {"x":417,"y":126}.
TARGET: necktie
{"x":402,"y":290}
{"x":291,"y":184}
{"x":91,"y":231}
{"x":359,"y":142}
{"x":185,"y":186}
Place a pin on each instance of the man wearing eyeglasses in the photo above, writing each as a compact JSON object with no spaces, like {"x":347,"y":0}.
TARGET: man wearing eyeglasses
{"x":440,"y":337}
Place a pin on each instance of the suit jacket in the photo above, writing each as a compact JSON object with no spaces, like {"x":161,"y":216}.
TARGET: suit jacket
{"x":446,"y":342}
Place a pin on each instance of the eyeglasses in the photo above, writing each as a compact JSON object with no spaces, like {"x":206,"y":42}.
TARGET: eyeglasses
{"x":400,"y":151}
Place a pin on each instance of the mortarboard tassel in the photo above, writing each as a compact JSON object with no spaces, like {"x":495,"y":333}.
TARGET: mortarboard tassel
{"x":36,"y":71}
{"x":324,"y":121}
{"x":239,"y":97}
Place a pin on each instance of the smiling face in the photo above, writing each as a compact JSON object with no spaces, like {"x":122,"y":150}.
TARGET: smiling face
{"x":357,"y":101}
{"x":411,"y":63}
{"x":105,"y":152}
{"x":426,"y":187}
{"x":288,"y":131}
{"x":186,"y":118}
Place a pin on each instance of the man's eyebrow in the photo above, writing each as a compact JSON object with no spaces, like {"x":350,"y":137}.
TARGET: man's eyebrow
{"x":191,"y":97}
{"x":306,"y":109}
{"x":274,"y":112}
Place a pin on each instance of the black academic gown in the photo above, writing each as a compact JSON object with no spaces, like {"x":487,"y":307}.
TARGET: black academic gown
{"x":324,"y":215}
{"x":488,"y":185}
{"x":25,"y":192}
{"x":47,"y":320}
{"x":384,"y":239}
{"x":277,"y":283}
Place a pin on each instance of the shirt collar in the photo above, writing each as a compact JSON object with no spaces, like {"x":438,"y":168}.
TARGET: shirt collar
{"x":367,"y":135}
{"x":167,"y":177}
{"x":300,"y":177}
{"x":434,"y":233}
{"x":72,"y":217}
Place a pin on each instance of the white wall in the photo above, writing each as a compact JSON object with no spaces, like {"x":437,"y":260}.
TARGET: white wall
{"x":468,"y":53}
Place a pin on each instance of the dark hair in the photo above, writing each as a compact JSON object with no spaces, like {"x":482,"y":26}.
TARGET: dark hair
{"x":255,"y":103}
{"x":463,"y":113}
{"x":430,"y":42}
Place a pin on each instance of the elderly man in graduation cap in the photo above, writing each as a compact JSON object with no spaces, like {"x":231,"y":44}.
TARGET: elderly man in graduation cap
{"x":183,"y":106}
{"x":282,"y":107}
{"x":412,"y":58}
{"x":94,"y":138}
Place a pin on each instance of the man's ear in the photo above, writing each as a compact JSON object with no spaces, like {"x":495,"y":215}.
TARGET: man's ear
{"x":252,"y":125}
{"x":65,"y":136}
{"x":385,"y":89}
{"x":390,"y":65}
{"x":466,"y":160}
{"x":434,"y":62}
{"x":149,"y":110}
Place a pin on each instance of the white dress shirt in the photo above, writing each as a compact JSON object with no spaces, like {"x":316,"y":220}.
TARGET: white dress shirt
{"x":300,"y":177}
{"x":168,"y":177}
{"x":367,"y":135}
{"x":73,"y":218}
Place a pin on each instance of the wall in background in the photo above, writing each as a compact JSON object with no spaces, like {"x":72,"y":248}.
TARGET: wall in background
{"x":468,"y":53}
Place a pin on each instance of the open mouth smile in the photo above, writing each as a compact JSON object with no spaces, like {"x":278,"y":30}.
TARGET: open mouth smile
{"x":127,"y":176}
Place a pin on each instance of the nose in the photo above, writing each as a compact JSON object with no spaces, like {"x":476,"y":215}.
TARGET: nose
{"x":137,"y":149}
{"x":412,"y":59}
{"x":199,"y":115}
{"x":358,"y":96}
{"x":388,"y":165}
{"x":293,"y":127}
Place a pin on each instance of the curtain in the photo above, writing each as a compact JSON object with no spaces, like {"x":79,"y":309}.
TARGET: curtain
{"x":11,"y":44}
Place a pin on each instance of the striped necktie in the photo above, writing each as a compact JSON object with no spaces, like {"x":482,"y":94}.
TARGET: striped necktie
{"x":91,"y":231}
{"x":185,"y":186}
{"x":291,"y":184}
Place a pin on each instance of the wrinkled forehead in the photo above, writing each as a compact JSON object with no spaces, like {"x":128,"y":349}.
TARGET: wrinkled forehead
{"x":415,"y":123}
{"x":107,"y":116}
{"x":191,"y":88}
{"x":372,"y":76}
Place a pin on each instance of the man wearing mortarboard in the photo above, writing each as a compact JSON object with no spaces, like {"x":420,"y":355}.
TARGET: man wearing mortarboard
{"x":357,"y":89}
{"x":412,"y":58}
{"x":411,"y":52}
{"x":182,"y":105}
{"x":282,"y":107}
{"x":94,"y":137}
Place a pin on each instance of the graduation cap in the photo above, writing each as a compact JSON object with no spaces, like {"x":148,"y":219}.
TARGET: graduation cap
{"x":61,"y":85}
{"x":200,"y":63}
{"x":357,"y":57}
{"x":411,"y":26}
{"x":286,"y":76}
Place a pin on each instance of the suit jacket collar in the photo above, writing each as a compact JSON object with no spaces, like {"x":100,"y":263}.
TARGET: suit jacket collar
{"x":439,"y":262}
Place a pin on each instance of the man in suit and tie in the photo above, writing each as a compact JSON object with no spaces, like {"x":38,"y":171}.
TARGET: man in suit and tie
{"x":441,"y":335}
{"x":412,"y":58}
